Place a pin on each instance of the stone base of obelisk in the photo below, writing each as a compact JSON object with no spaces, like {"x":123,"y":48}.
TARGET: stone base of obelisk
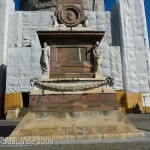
{"x":75,"y":126}
{"x":74,"y":115}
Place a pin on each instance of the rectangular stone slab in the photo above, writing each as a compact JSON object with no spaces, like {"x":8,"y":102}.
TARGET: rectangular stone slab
{"x":69,"y":103}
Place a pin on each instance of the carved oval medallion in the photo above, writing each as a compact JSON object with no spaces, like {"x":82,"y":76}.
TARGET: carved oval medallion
{"x":70,"y":15}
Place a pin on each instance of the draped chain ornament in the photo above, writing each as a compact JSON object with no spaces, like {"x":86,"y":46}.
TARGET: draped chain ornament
{"x":64,"y":88}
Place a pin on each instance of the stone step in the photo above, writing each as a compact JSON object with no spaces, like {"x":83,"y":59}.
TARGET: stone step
{"x":72,"y":75}
{"x":72,"y":64}
{"x":72,"y":70}
{"x":85,"y":64}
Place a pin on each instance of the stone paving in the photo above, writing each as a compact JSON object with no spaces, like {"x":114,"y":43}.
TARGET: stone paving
{"x":97,"y":146}
{"x":141,"y":121}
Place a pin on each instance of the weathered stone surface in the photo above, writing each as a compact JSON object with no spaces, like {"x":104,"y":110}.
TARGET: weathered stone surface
{"x":75,"y":126}
{"x":70,"y":103}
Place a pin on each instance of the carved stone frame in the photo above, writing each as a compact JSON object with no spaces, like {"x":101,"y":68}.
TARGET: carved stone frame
{"x":77,"y":18}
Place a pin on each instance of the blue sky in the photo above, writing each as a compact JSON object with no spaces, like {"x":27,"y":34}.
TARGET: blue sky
{"x":109,"y":5}
{"x":147,"y":8}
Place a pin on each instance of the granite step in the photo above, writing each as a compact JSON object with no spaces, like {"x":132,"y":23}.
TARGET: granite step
{"x":72,"y":75}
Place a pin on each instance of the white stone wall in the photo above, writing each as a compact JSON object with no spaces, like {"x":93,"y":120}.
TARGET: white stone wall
{"x":133,"y":39}
{"x":108,"y":34}
{"x":94,"y":5}
{"x":111,"y":64}
{"x":18,"y":69}
{"x":100,"y":5}
{"x":116,"y":67}
{"x":5,"y":7}
{"x":35,"y":68}
{"x":15,"y":30}
{"x":23,"y":64}
{"x":23,"y":25}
